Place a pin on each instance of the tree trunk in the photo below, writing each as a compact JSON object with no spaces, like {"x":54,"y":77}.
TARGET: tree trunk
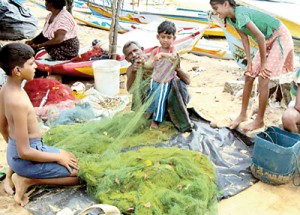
{"x":113,"y":32}
{"x":69,"y":5}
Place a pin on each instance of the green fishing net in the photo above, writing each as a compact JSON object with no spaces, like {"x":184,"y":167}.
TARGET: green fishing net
{"x":127,"y":165}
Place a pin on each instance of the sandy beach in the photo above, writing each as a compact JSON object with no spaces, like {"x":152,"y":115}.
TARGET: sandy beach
{"x":216,"y":106}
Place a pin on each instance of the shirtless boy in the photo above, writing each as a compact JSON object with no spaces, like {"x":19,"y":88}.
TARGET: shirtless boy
{"x":32,"y":162}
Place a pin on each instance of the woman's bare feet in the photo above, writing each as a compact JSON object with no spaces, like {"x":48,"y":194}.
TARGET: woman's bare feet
{"x":21,"y":186}
{"x":241,"y":118}
{"x":8,"y":185}
{"x":154,"y":125}
{"x":255,"y":124}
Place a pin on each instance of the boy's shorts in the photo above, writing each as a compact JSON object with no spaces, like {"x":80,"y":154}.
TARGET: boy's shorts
{"x":32,"y":169}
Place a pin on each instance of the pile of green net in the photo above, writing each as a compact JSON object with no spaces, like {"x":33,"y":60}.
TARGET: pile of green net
{"x":127,"y":165}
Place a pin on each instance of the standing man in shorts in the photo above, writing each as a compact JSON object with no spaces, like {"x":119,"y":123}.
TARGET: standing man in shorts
{"x":32,"y":162}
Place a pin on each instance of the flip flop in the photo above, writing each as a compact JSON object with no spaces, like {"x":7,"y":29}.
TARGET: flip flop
{"x":2,"y":173}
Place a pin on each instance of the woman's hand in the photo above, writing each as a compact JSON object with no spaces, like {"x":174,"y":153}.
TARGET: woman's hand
{"x":35,"y":46}
{"x":29,"y":42}
{"x":68,"y":160}
{"x":249,"y":68}
{"x":264,"y":72}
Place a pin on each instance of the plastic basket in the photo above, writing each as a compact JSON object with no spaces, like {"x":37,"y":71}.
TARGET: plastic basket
{"x":275,"y":155}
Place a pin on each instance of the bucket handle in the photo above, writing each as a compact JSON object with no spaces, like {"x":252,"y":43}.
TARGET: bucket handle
{"x":296,"y":156}
{"x":274,"y":133}
{"x":271,"y":140}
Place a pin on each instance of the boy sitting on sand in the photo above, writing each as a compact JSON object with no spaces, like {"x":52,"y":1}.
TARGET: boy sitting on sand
{"x":32,"y":162}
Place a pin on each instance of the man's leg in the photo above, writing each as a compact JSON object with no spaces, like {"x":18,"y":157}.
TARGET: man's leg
{"x":185,"y":94}
{"x":176,"y":106}
{"x":245,"y":101}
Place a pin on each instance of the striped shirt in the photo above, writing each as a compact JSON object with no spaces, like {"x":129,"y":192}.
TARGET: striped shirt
{"x":63,"y":21}
{"x":162,"y":69}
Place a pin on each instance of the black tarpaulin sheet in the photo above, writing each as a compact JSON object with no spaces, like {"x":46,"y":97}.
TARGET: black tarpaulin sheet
{"x":228,"y":150}
{"x":62,"y":201}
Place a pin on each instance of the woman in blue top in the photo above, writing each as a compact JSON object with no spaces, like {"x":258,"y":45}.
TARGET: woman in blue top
{"x":274,"y":56}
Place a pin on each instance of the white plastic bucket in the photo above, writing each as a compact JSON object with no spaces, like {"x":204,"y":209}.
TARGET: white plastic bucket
{"x":107,"y":76}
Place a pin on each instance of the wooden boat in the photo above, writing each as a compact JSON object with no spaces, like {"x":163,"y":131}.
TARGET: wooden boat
{"x":80,"y":6}
{"x":185,"y":40}
{"x":82,"y":14}
{"x":212,"y":48}
{"x":102,"y":22}
{"x":297,"y":46}
{"x":160,"y":13}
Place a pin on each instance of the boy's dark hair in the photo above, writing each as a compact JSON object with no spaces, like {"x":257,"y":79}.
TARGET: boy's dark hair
{"x":231,"y":2}
{"x":167,"y":27}
{"x":14,"y":54}
{"x":57,"y":4}
{"x":129,"y":43}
